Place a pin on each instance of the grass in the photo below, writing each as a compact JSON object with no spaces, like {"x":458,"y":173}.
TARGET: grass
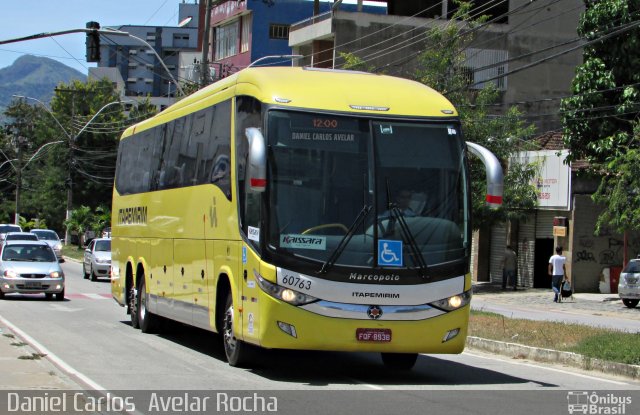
{"x":589,"y":341}
{"x":73,"y":251}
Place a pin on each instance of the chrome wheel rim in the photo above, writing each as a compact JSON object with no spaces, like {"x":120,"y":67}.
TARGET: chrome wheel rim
{"x":229,"y":339}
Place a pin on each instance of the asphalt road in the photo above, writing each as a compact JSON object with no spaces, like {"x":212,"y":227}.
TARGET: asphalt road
{"x":91,"y":334}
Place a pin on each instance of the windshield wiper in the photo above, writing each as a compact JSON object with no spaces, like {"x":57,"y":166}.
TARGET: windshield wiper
{"x":407,"y":236}
{"x":345,"y":239}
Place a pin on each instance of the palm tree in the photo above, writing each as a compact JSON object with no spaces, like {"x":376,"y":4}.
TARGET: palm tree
{"x":80,"y":220}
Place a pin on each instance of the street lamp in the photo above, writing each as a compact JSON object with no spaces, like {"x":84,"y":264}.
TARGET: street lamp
{"x":67,"y":237}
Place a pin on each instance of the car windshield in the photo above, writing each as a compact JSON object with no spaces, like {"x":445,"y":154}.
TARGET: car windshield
{"x":398,"y":185}
{"x":632,"y":267}
{"x":28,"y":253}
{"x":21,"y":237}
{"x":104,"y":246}
{"x":9,"y":228}
{"x":46,"y":235}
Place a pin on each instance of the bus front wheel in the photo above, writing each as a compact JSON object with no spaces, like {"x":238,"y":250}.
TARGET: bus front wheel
{"x":399,"y":361}
{"x":236,"y":351}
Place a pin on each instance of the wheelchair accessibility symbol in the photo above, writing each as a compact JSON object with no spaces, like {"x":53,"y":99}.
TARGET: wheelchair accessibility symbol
{"x":389,"y":253}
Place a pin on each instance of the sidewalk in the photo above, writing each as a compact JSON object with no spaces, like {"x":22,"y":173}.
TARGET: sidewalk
{"x":24,"y":368}
{"x":598,"y":310}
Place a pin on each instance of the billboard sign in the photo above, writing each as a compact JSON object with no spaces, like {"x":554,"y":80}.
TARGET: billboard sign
{"x":553,"y":180}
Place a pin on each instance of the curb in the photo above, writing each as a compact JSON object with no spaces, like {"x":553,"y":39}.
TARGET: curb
{"x":537,"y":354}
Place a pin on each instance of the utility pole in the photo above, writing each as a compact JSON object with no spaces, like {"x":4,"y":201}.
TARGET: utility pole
{"x":22,"y":129}
{"x":204,"y":62}
{"x":69,"y":181}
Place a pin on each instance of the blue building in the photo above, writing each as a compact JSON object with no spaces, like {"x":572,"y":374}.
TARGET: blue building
{"x":243,"y":31}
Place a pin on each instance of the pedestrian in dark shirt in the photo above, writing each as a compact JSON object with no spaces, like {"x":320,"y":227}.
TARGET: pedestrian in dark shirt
{"x":509,"y":268}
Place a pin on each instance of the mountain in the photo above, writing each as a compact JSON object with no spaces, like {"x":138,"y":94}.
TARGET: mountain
{"x":34,"y":77}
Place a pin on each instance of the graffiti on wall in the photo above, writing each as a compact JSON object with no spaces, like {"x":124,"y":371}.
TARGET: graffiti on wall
{"x":612,"y":255}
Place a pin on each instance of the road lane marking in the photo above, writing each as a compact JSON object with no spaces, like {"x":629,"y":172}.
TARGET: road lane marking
{"x":64,"y":366}
{"x":87,"y":296}
{"x":567,"y":372}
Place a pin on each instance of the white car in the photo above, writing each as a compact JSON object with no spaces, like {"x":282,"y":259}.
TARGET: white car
{"x":6,"y":228}
{"x":30,"y":267}
{"x":97,"y":259}
{"x":50,"y":237}
{"x":629,"y":284}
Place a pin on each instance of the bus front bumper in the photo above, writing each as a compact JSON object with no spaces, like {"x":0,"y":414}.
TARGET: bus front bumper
{"x":290,"y":327}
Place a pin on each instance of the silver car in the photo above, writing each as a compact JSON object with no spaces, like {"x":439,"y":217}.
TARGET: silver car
{"x":97,"y":259}
{"x":50,"y":237}
{"x":20,"y":236}
{"x":30,"y":267}
{"x":629,"y":284}
{"x":7,"y":227}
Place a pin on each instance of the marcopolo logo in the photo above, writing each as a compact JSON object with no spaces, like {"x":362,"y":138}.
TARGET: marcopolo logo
{"x":593,"y":403}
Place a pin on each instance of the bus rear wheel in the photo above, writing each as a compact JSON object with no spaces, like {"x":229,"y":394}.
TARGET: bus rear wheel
{"x":630,"y":303}
{"x":399,"y":361}
{"x":236,"y":351}
{"x":133,"y":307}
{"x":147,"y":321}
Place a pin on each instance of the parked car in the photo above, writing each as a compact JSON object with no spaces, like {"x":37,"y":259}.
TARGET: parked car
{"x":30,"y":267}
{"x":6,"y":228}
{"x":629,"y":284}
{"x":97,"y":259}
{"x":50,"y":237}
{"x":20,"y":236}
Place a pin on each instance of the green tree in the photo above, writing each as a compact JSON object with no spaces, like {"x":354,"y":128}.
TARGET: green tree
{"x":441,"y":66}
{"x":80,"y":220}
{"x":101,"y":219}
{"x":600,"y":118}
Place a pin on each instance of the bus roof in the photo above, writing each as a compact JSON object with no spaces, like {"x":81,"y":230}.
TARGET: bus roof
{"x":323,"y":89}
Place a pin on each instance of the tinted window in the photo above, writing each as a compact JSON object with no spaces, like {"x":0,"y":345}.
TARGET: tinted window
{"x":33,"y":253}
{"x":187,"y":151}
{"x":9,"y":228}
{"x":104,"y":246}
{"x":27,"y":237}
{"x":632,"y":267}
{"x":46,"y":235}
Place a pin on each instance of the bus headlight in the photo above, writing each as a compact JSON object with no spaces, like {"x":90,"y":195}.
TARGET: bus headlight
{"x":282,"y":293}
{"x":454,"y":302}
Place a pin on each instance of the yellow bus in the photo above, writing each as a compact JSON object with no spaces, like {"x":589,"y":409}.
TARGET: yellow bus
{"x":300,"y":208}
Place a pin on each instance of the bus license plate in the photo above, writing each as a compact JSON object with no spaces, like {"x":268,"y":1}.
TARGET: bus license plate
{"x":373,"y":335}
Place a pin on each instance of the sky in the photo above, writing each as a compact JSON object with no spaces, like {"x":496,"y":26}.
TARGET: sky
{"x":29,"y":17}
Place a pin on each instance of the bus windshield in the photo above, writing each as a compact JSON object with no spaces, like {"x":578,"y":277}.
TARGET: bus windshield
{"x":392,"y":193}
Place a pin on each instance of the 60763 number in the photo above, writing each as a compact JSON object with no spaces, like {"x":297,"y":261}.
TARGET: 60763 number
{"x":297,"y":282}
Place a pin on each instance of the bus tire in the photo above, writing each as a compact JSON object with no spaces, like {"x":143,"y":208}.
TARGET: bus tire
{"x":399,"y":361}
{"x":630,"y":303}
{"x":133,"y":307}
{"x":236,"y":351}
{"x":147,"y":321}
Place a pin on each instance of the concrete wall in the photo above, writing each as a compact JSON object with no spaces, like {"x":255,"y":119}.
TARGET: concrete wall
{"x":393,"y":43}
{"x":591,"y":253}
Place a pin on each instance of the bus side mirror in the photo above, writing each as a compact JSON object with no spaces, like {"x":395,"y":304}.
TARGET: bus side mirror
{"x":494,"y":174}
{"x":257,"y":160}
